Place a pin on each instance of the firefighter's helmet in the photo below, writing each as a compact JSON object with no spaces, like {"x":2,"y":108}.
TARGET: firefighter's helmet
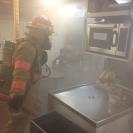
{"x":41,"y":22}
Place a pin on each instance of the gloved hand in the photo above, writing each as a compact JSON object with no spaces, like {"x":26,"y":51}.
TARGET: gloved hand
{"x":16,"y":102}
{"x":5,"y":98}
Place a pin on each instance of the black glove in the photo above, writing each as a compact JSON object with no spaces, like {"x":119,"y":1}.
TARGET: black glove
{"x":16,"y":103}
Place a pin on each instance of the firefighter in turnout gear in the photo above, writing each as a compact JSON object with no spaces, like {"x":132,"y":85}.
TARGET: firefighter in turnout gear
{"x":28,"y":58}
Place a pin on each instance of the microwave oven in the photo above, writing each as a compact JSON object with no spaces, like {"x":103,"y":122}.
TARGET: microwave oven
{"x":109,"y":35}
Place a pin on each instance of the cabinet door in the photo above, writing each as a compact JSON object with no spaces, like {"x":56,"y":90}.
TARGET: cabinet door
{"x":97,"y":5}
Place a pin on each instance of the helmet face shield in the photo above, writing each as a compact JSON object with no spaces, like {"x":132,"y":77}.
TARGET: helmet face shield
{"x":48,"y":30}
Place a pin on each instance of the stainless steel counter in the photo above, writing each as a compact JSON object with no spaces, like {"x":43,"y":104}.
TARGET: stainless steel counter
{"x":96,"y":104}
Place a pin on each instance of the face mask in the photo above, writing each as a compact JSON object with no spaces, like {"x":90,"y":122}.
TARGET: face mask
{"x":42,"y":37}
{"x":47,"y":44}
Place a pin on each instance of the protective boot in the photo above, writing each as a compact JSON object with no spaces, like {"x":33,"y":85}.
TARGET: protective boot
{"x":17,"y":123}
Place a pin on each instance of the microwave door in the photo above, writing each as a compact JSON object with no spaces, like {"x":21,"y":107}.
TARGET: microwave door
{"x":124,"y":40}
{"x":100,"y":38}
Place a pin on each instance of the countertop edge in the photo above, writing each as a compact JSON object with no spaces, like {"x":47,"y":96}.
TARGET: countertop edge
{"x":96,"y":124}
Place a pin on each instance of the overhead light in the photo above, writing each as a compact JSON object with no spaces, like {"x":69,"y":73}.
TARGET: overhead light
{"x":70,"y":11}
{"x":123,"y":1}
{"x":50,"y":3}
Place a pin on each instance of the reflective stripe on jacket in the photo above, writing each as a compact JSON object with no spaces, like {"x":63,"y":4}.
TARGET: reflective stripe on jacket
{"x":23,"y":60}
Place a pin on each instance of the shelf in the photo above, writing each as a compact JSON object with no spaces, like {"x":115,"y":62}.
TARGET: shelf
{"x":111,"y":13}
{"x":106,"y":56}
